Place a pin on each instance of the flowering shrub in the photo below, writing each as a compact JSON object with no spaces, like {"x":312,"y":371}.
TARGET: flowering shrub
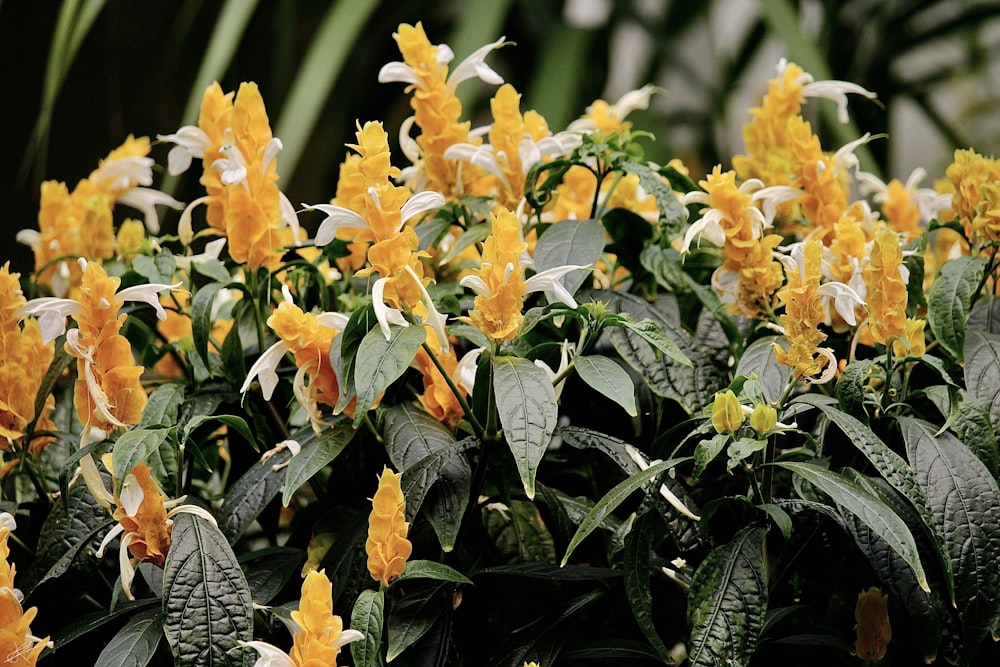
{"x":529,"y":398}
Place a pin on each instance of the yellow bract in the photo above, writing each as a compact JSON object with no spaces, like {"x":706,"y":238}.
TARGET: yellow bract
{"x":18,"y":646}
{"x":727,"y":413}
{"x":886,"y":289}
{"x":387,"y":546}
{"x":803,"y":315}
{"x":871,"y":615}
{"x":498,"y":314}
{"x":318,"y":640}
{"x":763,"y":418}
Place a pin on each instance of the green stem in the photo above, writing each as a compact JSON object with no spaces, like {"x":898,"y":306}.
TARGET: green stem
{"x":753,"y":484}
{"x":367,"y":421}
{"x":476,"y":426}
{"x":987,"y":273}
{"x":768,"y":481}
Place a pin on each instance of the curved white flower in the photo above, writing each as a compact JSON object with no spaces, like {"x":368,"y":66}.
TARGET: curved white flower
{"x":265,"y":369}
{"x":272,"y":656}
{"x":386,"y":315}
{"x":473,"y":66}
{"x":212,"y":251}
{"x":145,"y":200}
{"x":843,"y":298}
{"x":834,"y":90}
{"x":709,"y":225}
{"x":189,"y":142}
{"x":675,"y":502}
{"x":339,"y":217}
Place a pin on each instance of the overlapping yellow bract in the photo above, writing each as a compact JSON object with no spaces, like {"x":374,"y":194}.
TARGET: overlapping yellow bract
{"x":387,"y":546}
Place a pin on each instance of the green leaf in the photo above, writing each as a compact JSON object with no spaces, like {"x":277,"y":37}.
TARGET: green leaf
{"x":206,"y":601}
{"x":414,"y":615}
{"x":982,"y":372}
{"x":585,"y":438}
{"x":367,"y":617}
{"x":212,"y":268}
{"x":135,"y":447}
{"x":317,"y":452}
{"x":201,"y":317}
{"x":526,"y":404}
{"x":578,"y":242}
{"x":136,"y":643}
{"x":87,"y":623}
{"x":163,"y":405}
{"x":891,"y":466}
{"x":519,"y":532}
{"x":608,"y":378}
{"x":950,"y":299}
{"x":344,"y":352}
{"x":974,"y":428}
{"x":872,"y":511}
{"x":613,"y":499}
{"x":429,"y":569}
{"x":418,"y":478}
{"x":381,"y":361}
{"x":727,"y":602}
{"x":269,"y":570}
{"x":705,"y":452}
{"x":965,"y":502}
{"x":410,"y":435}
{"x":251,"y":493}
{"x":648,"y":331}
{"x":672,"y":213}
{"x":635,"y":565}
{"x":549,"y":572}
{"x":237,"y":423}
{"x":759,"y":359}
{"x":985,"y":315}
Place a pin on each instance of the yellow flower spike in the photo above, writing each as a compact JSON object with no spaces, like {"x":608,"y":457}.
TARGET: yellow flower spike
{"x":130,"y":236}
{"x":387,"y":546}
{"x":18,"y":646}
{"x":871,"y":615}
{"x":142,"y":514}
{"x":914,"y":344}
{"x":886,"y":288}
{"x":969,"y":174}
{"x":497,"y":307}
{"x":803,"y":315}
{"x":763,"y":418}
{"x":727,"y":413}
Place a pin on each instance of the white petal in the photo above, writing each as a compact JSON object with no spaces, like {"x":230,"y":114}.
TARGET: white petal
{"x":634,"y":99}
{"x":8,"y":521}
{"x":409,"y":146}
{"x":420,"y":203}
{"x":476,"y":284}
{"x":475,"y":66}
{"x":398,"y":72}
{"x":270,"y":656}
{"x":146,"y":201}
{"x":337,"y":217}
{"x":148,"y":294}
{"x":550,"y":280}
{"x":836,"y":91}
{"x":125,"y":565}
{"x":383,"y":313}
{"x":265,"y":367}
{"x":465,"y":371}
{"x":434,"y":318}
{"x":199,"y":512}
{"x":845,"y":299}
{"x":131,"y":496}
{"x":288,"y":217}
{"x":336,"y":321}
{"x":184,"y":226}
{"x":112,"y":534}
{"x":212,"y":251}
{"x":29,"y":237}
{"x":348,"y":636}
{"x":271,"y":151}
{"x":95,"y":483}
{"x":51,"y":313}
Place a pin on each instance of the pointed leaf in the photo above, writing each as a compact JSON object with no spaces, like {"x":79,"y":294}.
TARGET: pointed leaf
{"x":163,"y":405}
{"x":672,"y":213}
{"x":201,"y":315}
{"x":429,"y":569}
{"x":759,"y":359}
{"x":526,"y":403}
{"x":613,"y":448}
{"x":418,"y":478}
{"x":135,"y":447}
{"x":250,"y":494}
{"x":367,"y":618}
{"x":985,"y":315}
{"x":135,"y":644}
{"x":727,"y":602}
{"x":269,"y":570}
{"x":381,"y":361}
{"x":608,"y":378}
{"x":965,"y":502}
{"x":414,"y":615}
{"x":578,"y":242}
{"x":949,"y":301}
{"x":635,"y":563}
{"x":982,"y":372}
{"x":317,"y":452}
{"x":206,"y":600}
{"x":613,"y":499}
{"x":872,"y":511}
{"x":87,"y":623}
{"x":232,"y":421}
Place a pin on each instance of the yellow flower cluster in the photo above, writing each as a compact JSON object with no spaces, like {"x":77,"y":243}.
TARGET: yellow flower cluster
{"x":886,"y":288}
{"x":497,"y":313}
{"x":976,"y":197}
{"x":318,"y":640}
{"x":25,"y":361}
{"x":145,"y":524}
{"x":18,"y":646}
{"x":803,"y":315}
{"x":387,"y":546}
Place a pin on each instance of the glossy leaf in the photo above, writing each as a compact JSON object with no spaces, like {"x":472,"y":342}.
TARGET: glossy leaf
{"x":758,"y":359}
{"x":578,"y":242}
{"x":949,"y":301}
{"x":367,"y":617}
{"x":873,"y":512}
{"x":206,"y":601}
{"x":135,"y":447}
{"x":418,"y":478}
{"x":380,"y":362}
{"x":238,"y":424}
{"x":135,"y":644}
{"x":635,"y":564}
{"x":268,"y":570}
{"x":250,"y":495}
{"x":608,"y":378}
{"x":727,"y":602}
{"x":526,"y":404}
{"x":610,"y":446}
{"x":84,"y":625}
{"x":317,"y":452}
{"x":201,"y":315}
{"x":612,"y":499}
{"x":163,"y":406}
{"x":982,"y":372}
{"x":429,"y":569}
{"x":852,"y":385}
{"x":965,"y":502}
{"x":414,"y":615}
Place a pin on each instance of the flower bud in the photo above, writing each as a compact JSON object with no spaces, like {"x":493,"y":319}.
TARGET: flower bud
{"x":763,"y":418}
{"x":727,"y":413}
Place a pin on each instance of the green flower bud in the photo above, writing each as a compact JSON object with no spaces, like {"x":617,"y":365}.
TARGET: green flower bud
{"x":727,"y":413}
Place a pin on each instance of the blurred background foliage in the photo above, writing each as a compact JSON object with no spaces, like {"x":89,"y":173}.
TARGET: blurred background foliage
{"x":80,"y":75}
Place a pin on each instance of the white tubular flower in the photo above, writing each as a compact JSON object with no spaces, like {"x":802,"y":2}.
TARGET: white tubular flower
{"x":480,"y":156}
{"x":386,"y":315}
{"x":667,"y":494}
{"x":212,"y":251}
{"x":125,"y":172}
{"x":550,"y":280}
{"x":265,"y":370}
{"x":626,"y":104}
{"x":190,"y":142}
{"x":929,"y":202}
{"x":233,"y":166}
{"x":709,"y":225}
{"x":465,"y":371}
{"x":565,"y":352}
{"x":337,"y":218}
{"x":473,"y":66}
{"x":145,"y":200}
{"x":834,"y":90}
{"x":843,"y":298}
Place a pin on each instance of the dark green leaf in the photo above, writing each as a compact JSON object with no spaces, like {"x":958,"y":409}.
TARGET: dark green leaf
{"x":367,"y":618}
{"x":381,"y":361}
{"x":206,"y":600}
{"x":613,"y":499}
{"x":344,"y":352}
{"x":269,"y":570}
{"x":577,"y":242}
{"x":550,"y":572}
{"x":526,"y":404}
{"x":87,"y":623}
{"x":660,"y":342}
{"x":852,"y":385}
{"x":201,"y":317}
{"x":974,"y":428}
{"x":135,"y":644}
{"x":982,"y":372}
{"x":635,"y":566}
{"x":233,"y":361}
{"x":519,"y":532}
{"x":758,"y":359}
{"x":232,"y":421}
{"x":872,"y":511}
{"x":608,"y":378}
{"x":60,"y":362}
{"x":705,"y":452}
{"x":418,"y":478}
{"x":135,"y":447}
{"x":965,"y":502}
{"x":429,"y":569}
{"x":727,"y":602}
{"x":163,"y":405}
{"x":613,"y":448}
{"x":250,"y":495}
{"x":985,"y":315}
{"x":950,"y":300}
{"x":672,"y":213}
{"x":212,"y":268}
{"x":317,"y":452}
{"x":414,"y":615}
